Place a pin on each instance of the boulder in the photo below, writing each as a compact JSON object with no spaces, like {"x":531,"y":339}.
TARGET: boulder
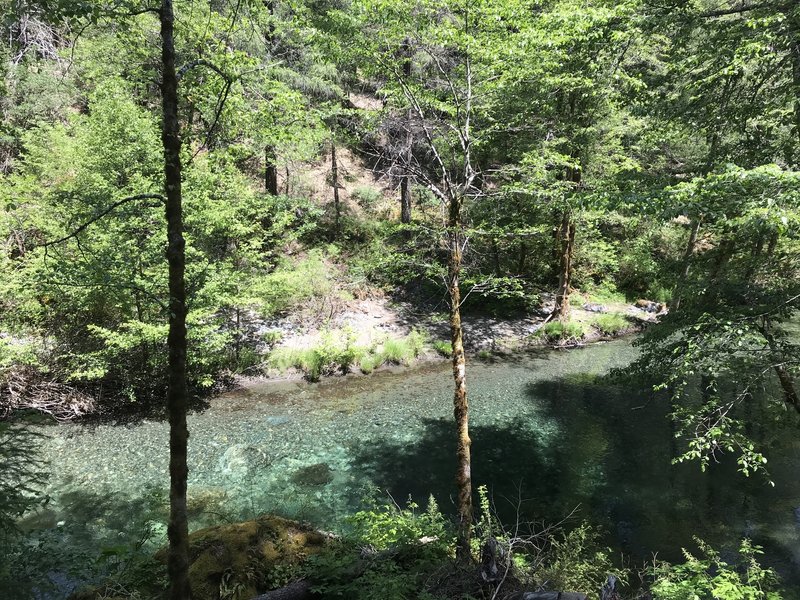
{"x":247,"y":558}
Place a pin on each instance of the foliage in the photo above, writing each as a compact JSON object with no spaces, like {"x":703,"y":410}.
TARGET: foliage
{"x":578,"y":561}
{"x":388,"y":553}
{"x":711,"y":578}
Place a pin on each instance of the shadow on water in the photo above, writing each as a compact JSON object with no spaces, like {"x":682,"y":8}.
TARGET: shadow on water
{"x":585,"y":441}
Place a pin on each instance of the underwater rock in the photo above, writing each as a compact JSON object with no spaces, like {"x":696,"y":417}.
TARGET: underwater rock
{"x":238,"y":458}
{"x":247,"y":558}
{"x":313,"y":475}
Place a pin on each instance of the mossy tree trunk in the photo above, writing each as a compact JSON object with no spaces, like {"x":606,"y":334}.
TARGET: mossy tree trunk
{"x":460,"y":403}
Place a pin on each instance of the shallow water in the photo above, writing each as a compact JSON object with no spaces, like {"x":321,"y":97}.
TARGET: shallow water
{"x":548,"y":437}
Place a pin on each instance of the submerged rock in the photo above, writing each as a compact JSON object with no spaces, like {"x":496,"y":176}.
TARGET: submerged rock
{"x":313,"y":475}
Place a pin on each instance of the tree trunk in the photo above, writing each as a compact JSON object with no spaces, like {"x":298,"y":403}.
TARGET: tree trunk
{"x":460,"y":404}
{"x":270,"y":171}
{"x":177,"y":392}
{"x":687,"y":258}
{"x":784,"y":375}
{"x":405,"y":187}
{"x":335,"y":182}
{"x":522,"y":257}
{"x":405,"y":195}
{"x":794,"y":49}
{"x":567,"y":239}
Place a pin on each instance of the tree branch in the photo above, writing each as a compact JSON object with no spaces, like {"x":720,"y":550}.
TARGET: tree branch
{"x":102,"y":214}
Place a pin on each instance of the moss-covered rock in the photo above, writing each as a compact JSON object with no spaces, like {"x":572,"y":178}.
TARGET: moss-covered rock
{"x":242,"y":560}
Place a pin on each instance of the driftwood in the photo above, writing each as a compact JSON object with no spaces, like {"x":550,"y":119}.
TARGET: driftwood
{"x":26,"y":388}
{"x":297,"y":590}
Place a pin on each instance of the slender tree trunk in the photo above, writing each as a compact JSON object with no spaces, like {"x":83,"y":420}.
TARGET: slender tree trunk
{"x":177,"y":392}
{"x":496,"y":257}
{"x":405,"y":187}
{"x":567,"y":239}
{"x":460,"y":404}
{"x":335,"y":182}
{"x":785,"y":377}
{"x":522,"y":258}
{"x":687,"y":259}
{"x":286,"y":183}
{"x":725,"y":252}
{"x":270,"y":171}
{"x":794,"y":48}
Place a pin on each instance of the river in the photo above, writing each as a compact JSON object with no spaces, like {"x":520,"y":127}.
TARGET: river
{"x":549,"y":437}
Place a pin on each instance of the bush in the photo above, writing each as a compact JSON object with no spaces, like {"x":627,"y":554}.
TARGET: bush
{"x":710,"y":578}
{"x":389,"y":554}
{"x":577,"y":561}
{"x":366,"y":196}
{"x":610,"y":324}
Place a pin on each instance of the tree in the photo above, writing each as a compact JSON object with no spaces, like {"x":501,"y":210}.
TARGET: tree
{"x":454,"y":40}
{"x":729,"y":336}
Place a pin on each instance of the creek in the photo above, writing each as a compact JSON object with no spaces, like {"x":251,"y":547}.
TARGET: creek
{"x":550,"y":438}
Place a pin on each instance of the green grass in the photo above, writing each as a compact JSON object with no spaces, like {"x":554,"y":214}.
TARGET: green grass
{"x":561,"y":330}
{"x":443,"y":348}
{"x":610,"y":324}
{"x":403,"y":350}
{"x":337,"y":352}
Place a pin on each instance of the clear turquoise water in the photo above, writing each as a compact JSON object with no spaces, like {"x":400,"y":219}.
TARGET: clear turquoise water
{"x":548,"y":436}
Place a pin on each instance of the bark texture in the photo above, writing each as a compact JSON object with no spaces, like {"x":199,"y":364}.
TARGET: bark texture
{"x":567,"y":244}
{"x":460,"y":404}
{"x":335,"y":183}
{"x":177,"y":392}
{"x":270,"y":171}
{"x":687,"y":257}
{"x":405,"y":181}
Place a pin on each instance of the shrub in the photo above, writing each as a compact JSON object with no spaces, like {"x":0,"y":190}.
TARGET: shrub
{"x":610,"y":324}
{"x":403,"y":350}
{"x":369,"y":362}
{"x":577,"y":561}
{"x":389,"y":554}
{"x":366,"y":196}
{"x":710,"y":578}
{"x":294,"y":283}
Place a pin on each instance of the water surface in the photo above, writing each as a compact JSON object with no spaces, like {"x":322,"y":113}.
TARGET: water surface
{"x":549,"y":437}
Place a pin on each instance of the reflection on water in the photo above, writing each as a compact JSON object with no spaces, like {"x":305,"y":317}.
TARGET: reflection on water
{"x":548,"y":436}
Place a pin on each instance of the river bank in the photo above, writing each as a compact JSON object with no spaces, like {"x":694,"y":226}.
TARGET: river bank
{"x":362,"y":327}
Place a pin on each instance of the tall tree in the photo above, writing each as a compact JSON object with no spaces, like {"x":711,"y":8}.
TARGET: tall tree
{"x":177,"y":392}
